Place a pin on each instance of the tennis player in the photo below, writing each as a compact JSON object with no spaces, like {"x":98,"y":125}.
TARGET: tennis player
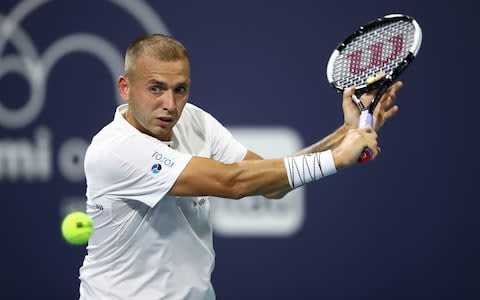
{"x":150,"y":171}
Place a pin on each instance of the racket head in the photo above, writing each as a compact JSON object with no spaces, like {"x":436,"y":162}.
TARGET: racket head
{"x":385,"y":45}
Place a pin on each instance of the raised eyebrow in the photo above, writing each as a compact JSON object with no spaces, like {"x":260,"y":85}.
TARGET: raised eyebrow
{"x":156,"y":82}
{"x":183,"y":84}
{"x":164,"y":84}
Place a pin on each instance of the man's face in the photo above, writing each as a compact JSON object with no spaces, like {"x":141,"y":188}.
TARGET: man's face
{"x":156,"y":92}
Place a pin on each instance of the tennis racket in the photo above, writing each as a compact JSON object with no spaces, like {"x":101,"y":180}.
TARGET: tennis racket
{"x":371,"y":58}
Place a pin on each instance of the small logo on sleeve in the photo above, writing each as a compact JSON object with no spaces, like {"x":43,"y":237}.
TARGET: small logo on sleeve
{"x":162,"y":159}
{"x":156,"y":168}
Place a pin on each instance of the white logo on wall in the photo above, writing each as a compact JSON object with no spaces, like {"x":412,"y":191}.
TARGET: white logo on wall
{"x":17,"y":156}
{"x":257,"y":216}
{"x":250,"y":216}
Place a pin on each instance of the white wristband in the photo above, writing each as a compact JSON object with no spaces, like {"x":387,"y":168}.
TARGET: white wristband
{"x":327,"y":163}
{"x":305,"y":168}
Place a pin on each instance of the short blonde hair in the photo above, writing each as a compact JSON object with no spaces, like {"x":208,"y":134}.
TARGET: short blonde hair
{"x":156,"y":45}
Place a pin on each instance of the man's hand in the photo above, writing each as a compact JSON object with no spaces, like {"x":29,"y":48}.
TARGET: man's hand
{"x":351,"y":113}
{"x":386,"y":107}
{"x":384,"y":110}
{"x":351,"y":147}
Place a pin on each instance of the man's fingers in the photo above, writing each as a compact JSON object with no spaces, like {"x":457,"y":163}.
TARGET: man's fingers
{"x":390,"y":112}
{"x":348,"y":93}
{"x":395,"y":87}
{"x":370,"y":131}
{"x":391,"y":94}
{"x":371,"y":140}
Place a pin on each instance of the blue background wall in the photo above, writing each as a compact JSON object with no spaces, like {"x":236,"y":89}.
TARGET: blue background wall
{"x":402,"y":227}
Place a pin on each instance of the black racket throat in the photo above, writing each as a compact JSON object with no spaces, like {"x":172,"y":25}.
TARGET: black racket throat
{"x":382,"y":85}
{"x":387,"y":81}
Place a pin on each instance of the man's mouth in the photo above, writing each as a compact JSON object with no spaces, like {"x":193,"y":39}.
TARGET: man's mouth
{"x":165,"y":121}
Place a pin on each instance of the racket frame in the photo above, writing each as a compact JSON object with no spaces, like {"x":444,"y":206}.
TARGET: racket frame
{"x":381,"y":85}
{"x":363,"y":88}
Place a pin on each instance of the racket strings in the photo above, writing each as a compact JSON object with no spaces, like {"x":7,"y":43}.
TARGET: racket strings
{"x":382,"y":48}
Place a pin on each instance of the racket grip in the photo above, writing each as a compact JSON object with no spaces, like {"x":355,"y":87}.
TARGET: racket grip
{"x":366,"y":119}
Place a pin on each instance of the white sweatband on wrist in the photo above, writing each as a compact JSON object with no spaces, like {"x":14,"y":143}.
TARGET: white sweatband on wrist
{"x":327,"y":163}
{"x":306,"y":168}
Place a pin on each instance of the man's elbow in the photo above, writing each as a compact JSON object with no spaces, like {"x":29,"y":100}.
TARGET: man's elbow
{"x":274,"y":196}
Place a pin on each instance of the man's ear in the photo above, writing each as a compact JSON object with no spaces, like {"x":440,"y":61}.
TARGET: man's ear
{"x":123,"y":87}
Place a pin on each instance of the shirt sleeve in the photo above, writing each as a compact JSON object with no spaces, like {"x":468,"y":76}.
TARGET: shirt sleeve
{"x":224,"y":147}
{"x":140,"y":168}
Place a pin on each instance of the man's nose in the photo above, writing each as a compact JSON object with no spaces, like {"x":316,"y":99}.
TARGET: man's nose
{"x":169,"y":102}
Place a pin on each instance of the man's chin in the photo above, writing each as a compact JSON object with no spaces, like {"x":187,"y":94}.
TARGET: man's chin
{"x":163,"y":134}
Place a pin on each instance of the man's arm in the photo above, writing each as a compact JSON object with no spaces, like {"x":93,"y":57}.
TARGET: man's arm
{"x":203,"y":176}
{"x":385,"y":110}
{"x":329,"y":142}
{"x":256,"y":176}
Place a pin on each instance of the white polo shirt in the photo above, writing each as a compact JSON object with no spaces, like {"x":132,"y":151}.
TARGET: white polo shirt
{"x":146,"y":244}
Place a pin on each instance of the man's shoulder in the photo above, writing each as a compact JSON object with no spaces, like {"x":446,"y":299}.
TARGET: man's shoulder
{"x":111,"y":137}
{"x":109,"y":131}
{"x":193,"y":109}
{"x":196,"y":115}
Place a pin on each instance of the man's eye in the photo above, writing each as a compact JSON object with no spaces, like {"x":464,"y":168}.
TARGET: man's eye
{"x":155,"y":89}
{"x":180,"y":90}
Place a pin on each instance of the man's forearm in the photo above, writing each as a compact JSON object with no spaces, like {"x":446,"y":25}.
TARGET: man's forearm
{"x":328,"y":142}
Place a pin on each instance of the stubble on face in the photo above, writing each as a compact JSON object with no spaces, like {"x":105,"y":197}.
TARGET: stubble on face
{"x":158,"y":92}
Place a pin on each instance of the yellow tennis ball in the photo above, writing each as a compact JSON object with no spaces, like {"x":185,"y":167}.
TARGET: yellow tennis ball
{"x":77,"y":228}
